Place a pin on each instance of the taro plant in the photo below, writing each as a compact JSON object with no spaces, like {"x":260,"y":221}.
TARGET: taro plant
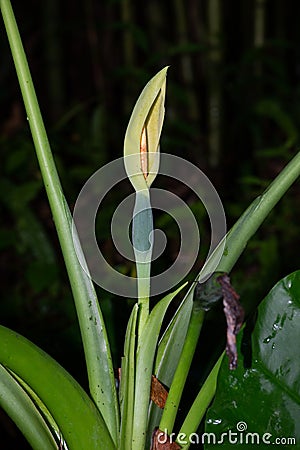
{"x":53,"y":411}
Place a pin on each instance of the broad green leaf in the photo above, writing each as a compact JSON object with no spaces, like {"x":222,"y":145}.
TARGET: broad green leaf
{"x":144,"y":368}
{"x":74,"y":412}
{"x":40,"y":405}
{"x":264,"y":396}
{"x":127,"y":382}
{"x":21,"y":409}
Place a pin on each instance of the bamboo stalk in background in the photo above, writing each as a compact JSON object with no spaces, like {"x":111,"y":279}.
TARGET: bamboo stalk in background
{"x":259,"y":31}
{"x":53,"y":56}
{"x":214,"y":82}
{"x":280,"y":27}
{"x":129,"y":46}
{"x":94,"y":45}
{"x":186,"y":63}
{"x":155,"y":27}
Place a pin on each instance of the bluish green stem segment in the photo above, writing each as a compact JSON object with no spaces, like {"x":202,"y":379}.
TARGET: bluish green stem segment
{"x":142,"y":227}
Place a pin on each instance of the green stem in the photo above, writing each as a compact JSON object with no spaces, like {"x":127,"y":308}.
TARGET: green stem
{"x":93,"y":332}
{"x":249,"y":222}
{"x":201,"y":403}
{"x":142,"y":227}
{"x":257,"y":212}
{"x":182,"y":370}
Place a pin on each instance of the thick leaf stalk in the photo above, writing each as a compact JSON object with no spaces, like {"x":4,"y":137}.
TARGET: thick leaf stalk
{"x":93,"y":332}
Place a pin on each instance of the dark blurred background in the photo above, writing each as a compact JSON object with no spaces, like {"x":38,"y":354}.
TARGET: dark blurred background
{"x":232,"y":109}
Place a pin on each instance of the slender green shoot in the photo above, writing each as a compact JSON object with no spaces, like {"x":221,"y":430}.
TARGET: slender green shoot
{"x":201,"y":403}
{"x":181,"y":373}
{"x":247,"y":225}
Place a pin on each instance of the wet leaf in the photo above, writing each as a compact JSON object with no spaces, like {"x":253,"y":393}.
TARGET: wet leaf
{"x":264,"y":398}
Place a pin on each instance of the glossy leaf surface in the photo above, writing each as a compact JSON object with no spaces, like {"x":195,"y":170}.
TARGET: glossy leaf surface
{"x":263,"y":398}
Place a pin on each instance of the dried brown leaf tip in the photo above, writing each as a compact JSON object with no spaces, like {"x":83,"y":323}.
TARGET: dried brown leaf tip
{"x":234,"y":314}
{"x":161,"y":441}
{"x":159,"y":393}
